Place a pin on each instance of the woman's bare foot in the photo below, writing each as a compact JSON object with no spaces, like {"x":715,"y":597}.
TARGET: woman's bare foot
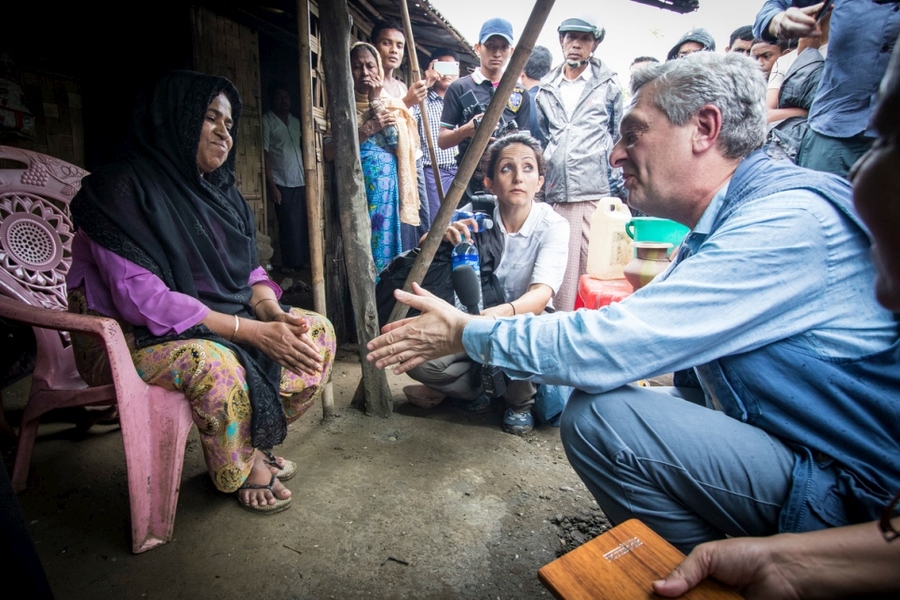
{"x":261,"y":474}
{"x":283,"y":468}
{"x":276,"y":469}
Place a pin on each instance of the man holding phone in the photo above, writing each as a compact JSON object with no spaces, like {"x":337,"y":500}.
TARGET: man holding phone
{"x":442,"y":71}
{"x":858,"y":55}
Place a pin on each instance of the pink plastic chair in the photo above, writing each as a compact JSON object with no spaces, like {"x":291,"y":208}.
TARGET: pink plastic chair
{"x":35,"y":242}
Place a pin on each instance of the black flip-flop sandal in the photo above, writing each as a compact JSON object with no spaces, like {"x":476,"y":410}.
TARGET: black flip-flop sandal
{"x":265,"y":509}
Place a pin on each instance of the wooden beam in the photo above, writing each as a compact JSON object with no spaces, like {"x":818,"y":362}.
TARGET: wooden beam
{"x":316,"y":228}
{"x":355,"y":227}
{"x":423,"y":110}
{"x":378,"y":16}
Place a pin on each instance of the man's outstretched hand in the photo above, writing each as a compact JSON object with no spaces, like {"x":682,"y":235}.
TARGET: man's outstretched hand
{"x":408,"y":343}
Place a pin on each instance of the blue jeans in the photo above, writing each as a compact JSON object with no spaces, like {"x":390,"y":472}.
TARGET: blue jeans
{"x":692,"y":474}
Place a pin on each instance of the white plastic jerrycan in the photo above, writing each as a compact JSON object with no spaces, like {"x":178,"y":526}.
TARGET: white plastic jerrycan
{"x":609,"y":248}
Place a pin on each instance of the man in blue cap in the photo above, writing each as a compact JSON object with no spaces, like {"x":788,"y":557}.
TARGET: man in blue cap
{"x":579,"y":106}
{"x":468,"y":97}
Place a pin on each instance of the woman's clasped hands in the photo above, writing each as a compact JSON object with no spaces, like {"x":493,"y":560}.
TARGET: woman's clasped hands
{"x":285,"y":338}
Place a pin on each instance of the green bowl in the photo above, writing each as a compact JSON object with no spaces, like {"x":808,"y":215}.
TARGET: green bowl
{"x":653,"y":229}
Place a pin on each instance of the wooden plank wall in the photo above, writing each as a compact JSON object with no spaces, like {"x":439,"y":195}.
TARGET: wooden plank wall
{"x":226,"y":48}
{"x":337,"y":288}
{"x":55,"y":101}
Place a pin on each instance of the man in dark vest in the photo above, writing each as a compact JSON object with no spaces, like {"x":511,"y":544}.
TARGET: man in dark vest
{"x":769,"y":302}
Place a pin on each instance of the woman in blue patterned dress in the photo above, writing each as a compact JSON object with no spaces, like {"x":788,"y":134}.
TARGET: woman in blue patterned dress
{"x":388,"y":144}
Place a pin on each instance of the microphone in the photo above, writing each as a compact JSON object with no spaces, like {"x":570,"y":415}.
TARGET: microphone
{"x":467,"y":286}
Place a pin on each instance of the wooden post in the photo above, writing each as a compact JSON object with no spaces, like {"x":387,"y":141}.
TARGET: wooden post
{"x":313,"y":200}
{"x":476,"y":149}
{"x":334,"y":20}
{"x":416,"y":76}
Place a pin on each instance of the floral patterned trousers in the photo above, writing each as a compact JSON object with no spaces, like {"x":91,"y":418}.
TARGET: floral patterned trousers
{"x":212,"y":380}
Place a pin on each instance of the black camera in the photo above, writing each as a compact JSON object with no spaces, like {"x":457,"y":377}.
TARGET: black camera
{"x":471,"y":110}
{"x":504,"y":128}
{"x":493,"y":380}
{"x":478,"y":108}
{"x":482,"y":202}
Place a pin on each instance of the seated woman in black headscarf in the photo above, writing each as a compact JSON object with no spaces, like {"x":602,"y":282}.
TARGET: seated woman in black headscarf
{"x":166,"y":245}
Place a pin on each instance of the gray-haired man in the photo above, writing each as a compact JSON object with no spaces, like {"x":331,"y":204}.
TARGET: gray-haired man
{"x":794,"y":425}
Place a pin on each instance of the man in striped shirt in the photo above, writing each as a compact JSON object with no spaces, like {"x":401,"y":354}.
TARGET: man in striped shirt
{"x":434,"y":105}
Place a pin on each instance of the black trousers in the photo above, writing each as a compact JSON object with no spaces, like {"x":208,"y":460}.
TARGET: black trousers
{"x":293,"y":227}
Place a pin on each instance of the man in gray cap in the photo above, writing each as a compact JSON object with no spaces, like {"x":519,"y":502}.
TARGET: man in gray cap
{"x":579,"y":106}
{"x":695,"y":40}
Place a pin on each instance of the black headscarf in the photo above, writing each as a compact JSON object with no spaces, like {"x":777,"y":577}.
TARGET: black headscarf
{"x":194,"y":232}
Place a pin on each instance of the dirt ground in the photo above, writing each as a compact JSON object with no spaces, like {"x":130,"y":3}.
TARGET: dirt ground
{"x":432,"y":503}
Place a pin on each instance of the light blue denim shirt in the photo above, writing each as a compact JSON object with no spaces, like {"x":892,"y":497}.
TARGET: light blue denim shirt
{"x":787,"y":265}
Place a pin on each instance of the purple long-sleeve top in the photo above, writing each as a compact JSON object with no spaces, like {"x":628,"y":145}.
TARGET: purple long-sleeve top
{"x":118,"y":288}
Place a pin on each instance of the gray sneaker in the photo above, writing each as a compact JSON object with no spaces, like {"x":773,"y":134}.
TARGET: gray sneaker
{"x":517,"y":423}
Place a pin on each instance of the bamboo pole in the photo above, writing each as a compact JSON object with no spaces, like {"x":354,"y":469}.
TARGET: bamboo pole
{"x":314,"y":208}
{"x":480,"y":140}
{"x":416,"y":76}
{"x":334,"y":20}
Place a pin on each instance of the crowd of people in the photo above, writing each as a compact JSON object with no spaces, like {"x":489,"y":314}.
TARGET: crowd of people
{"x":575,"y":109}
{"x":778,"y":443}
{"x":784,"y":418}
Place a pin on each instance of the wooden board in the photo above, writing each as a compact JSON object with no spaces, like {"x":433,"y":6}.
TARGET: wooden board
{"x":621,"y":563}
